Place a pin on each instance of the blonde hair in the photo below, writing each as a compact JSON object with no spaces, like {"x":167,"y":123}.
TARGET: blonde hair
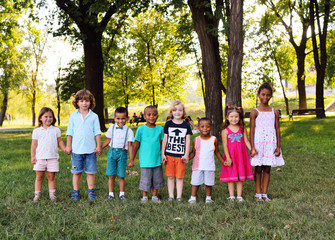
{"x":173,"y":107}
{"x":86,"y":95}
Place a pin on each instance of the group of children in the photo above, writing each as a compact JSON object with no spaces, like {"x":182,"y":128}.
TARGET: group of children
{"x":158,"y":147}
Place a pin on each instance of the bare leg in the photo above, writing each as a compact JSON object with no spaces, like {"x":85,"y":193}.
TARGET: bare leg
{"x":90,"y":180}
{"x":122,"y":184}
{"x":145,"y":194}
{"x":154,"y":192}
{"x":111,"y":183}
{"x":257,"y":177}
{"x":239,"y":188}
{"x":76,"y":181}
{"x":194,"y":190}
{"x":171,"y":187}
{"x":266,"y":178}
{"x":179,"y":183}
{"x":51,"y":180}
{"x":231,"y":186}
{"x":208,"y":190}
{"x":39,"y":180}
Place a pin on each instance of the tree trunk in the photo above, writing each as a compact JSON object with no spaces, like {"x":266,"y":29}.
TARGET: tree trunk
{"x":235,"y":57}
{"x":320,"y":61}
{"x":33,"y":112}
{"x":3,"y":108}
{"x":94,"y":66}
{"x":301,"y":55}
{"x":211,"y":64}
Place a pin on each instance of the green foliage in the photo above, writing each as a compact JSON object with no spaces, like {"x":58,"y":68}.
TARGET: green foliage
{"x":330,"y":72}
{"x":302,"y":206}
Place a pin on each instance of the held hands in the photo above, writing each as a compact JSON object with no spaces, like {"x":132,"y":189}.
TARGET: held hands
{"x":98,"y":150}
{"x":68,"y":150}
{"x":33,"y":160}
{"x":253,"y":152}
{"x":163,"y":161}
{"x":185,"y":159}
{"x":228,"y":162}
{"x":277,"y":152}
{"x":131,"y":163}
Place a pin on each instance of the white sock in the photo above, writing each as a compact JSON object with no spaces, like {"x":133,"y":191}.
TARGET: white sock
{"x":208,"y":197}
{"x":121,"y":194}
{"x":111,"y":194}
{"x":145,"y":197}
{"x":193,"y":198}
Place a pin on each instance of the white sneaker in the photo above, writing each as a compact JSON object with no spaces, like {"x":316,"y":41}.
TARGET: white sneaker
{"x":209,"y":200}
{"x":37,"y":196}
{"x":144,"y":200}
{"x":192,"y":201}
{"x":155,"y":199}
{"x":240,"y":199}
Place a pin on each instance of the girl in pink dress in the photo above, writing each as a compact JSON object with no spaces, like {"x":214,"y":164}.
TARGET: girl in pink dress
{"x":265,"y":141}
{"x":237,"y":166}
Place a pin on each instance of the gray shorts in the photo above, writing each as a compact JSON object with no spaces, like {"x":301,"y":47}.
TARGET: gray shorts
{"x":151,"y":178}
{"x":203,"y":177}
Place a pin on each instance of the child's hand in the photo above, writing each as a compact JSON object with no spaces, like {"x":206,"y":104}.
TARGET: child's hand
{"x":163,"y":159}
{"x":33,"y":160}
{"x":68,"y":150}
{"x":253,"y":152}
{"x":98,"y":150}
{"x":131,"y":163}
{"x":277,"y":152}
{"x":185,"y":159}
{"x":228,"y":162}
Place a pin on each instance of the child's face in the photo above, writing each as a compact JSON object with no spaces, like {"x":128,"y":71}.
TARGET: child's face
{"x":234,"y":118}
{"x":178,"y":112}
{"x":151,"y":115}
{"x":265,"y":96}
{"x":46,"y":119}
{"x":205,"y":127}
{"x":84,"y":104}
{"x":121,"y":119}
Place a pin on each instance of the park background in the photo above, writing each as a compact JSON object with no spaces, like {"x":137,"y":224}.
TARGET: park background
{"x":135,"y":53}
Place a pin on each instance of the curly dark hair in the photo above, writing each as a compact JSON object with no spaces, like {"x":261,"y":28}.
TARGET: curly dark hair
{"x":83,"y":94}
{"x":265,"y":86}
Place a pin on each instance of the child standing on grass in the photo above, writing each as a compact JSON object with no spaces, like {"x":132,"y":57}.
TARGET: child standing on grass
{"x":176,"y":148}
{"x":82,"y":128}
{"x":148,"y":140}
{"x":120,"y":139}
{"x":235,"y":142}
{"x":265,"y":141}
{"x":203,"y":168}
{"x":44,"y":151}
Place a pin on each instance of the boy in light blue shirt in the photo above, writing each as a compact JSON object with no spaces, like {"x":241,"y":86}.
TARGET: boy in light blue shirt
{"x":83,"y":127}
{"x":148,"y":140}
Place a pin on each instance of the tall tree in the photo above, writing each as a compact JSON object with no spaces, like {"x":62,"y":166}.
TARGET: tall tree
{"x":92,"y":17}
{"x":319,"y":50}
{"x":206,"y":26}
{"x":235,"y":54}
{"x":286,"y":12}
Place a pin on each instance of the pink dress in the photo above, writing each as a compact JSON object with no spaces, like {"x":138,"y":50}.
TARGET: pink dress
{"x":265,"y":141}
{"x":241,"y":169}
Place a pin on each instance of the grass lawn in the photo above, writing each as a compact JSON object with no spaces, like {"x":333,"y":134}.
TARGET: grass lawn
{"x":303,"y":205}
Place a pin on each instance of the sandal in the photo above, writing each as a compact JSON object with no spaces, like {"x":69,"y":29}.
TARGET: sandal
{"x":240,"y":199}
{"x":265,"y":198}
{"x":75,"y":195}
{"x":231,"y":198}
{"x":91,"y":193}
{"x":258,"y":197}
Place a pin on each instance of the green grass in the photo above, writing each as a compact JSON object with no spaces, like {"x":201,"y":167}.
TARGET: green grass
{"x":303,"y":205}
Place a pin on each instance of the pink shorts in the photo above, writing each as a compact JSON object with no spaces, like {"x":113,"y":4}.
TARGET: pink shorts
{"x":49,"y":165}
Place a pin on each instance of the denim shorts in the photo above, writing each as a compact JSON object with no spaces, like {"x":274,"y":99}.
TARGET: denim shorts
{"x":116,"y":162}
{"x":78,"y":160}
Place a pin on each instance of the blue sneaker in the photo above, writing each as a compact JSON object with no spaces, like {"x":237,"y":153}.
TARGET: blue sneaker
{"x":91,"y":193}
{"x":122,"y":198}
{"x":75,"y":195}
{"x":110,"y":197}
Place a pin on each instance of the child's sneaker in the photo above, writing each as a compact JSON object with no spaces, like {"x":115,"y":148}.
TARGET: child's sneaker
{"x":178,"y":199}
{"x":110,"y":197}
{"x":192,"y":201}
{"x":240,"y":199}
{"x":144,"y":199}
{"x":155,"y":199}
{"x":209,"y":200}
{"x":231,"y":199}
{"x":91,"y":194}
{"x":37,"y":196}
{"x":122,"y":198}
{"x":75,"y":195}
{"x":52,"y":196}
{"x":170,"y":199}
